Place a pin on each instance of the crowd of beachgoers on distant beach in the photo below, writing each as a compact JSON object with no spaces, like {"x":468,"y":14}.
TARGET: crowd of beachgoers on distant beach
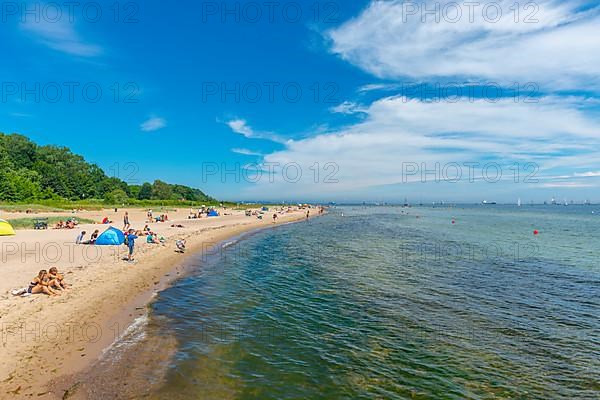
{"x":52,"y":283}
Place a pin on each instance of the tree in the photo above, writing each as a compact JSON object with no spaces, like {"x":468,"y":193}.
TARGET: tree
{"x":145,"y":192}
{"x":29,"y":172}
{"x":26,"y":184}
{"x":161,"y":191}
{"x":117,"y":196}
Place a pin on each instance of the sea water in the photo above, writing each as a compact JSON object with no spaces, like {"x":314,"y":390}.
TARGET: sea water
{"x":462,"y":302}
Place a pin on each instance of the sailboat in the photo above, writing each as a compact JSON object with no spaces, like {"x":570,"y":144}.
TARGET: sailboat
{"x":519,"y":202}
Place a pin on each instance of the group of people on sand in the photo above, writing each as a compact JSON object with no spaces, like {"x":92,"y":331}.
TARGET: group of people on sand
{"x":160,"y":218}
{"x":151,"y":237}
{"x":81,"y":237}
{"x":204,"y":212}
{"x":49,"y":282}
{"x":69,"y":224}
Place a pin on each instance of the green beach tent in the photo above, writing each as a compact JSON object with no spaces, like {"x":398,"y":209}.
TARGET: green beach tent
{"x":6,"y":229}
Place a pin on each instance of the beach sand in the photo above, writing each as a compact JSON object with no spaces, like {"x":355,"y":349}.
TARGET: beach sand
{"x":46,"y":338}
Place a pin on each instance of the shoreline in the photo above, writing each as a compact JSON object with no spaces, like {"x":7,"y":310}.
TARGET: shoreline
{"x":42,"y":368}
{"x":96,"y":370}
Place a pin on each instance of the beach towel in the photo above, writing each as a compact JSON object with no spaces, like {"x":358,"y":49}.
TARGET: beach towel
{"x":23,"y":292}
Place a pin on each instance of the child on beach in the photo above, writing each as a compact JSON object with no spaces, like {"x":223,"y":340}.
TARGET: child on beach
{"x":131,"y":243}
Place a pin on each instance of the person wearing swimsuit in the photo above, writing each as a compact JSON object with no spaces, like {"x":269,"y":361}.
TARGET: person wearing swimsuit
{"x":56,"y":280}
{"x":40,"y":284}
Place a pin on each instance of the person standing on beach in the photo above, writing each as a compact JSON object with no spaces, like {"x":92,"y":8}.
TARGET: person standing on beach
{"x":131,"y":243}
{"x":307,"y":214}
{"x":126,"y":224}
{"x":274,"y":218}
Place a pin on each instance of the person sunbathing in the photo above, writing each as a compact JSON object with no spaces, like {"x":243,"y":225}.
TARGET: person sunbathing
{"x":152,"y":238}
{"x":59,"y":225}
{"x":56,"y":279}
{"x":40,"y":284}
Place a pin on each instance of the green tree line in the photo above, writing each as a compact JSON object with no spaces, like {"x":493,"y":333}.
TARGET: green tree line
{"x":29,"y":172}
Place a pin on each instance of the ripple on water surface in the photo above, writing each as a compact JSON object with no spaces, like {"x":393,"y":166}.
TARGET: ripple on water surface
{"x":380,"y":304}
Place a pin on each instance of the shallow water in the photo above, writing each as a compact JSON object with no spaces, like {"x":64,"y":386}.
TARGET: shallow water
{"x":393,"y":303}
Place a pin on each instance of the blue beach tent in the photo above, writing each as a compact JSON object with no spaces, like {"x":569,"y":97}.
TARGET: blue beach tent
{"x":213,"y":213}
{"x":110,"y":237}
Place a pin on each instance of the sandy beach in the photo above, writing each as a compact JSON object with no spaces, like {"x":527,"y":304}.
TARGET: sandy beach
{"x":45,"y":338}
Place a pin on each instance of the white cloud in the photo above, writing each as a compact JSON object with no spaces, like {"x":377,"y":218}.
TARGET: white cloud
{"x":567,"y":185}
{"x":554,"y":133}
{"x":378,"y":86}
{"x":153,"y":124}
{"x":347,"y":108}
{"x":246,"y":152}
{"x":60,"y":36}
{"x":589,"y":174}
{"x":241,"y":126}
{"x":561,"y":49}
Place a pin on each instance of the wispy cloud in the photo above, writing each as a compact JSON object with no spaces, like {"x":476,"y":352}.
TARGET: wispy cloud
{"x":20,"y":115}
{"x":61,"y":36}
{"x":153,"y":124}
{"x":557,"y":45}
{"x":371,"y":87}
{"x":589,"y":174}
{"x":246,"y":152}
{"x":566,"y":185}
{"x":241,"y":126}
{"x":347,"y":108}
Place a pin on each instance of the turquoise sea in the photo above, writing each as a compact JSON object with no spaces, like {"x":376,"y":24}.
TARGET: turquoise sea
{"x":391,"y":303}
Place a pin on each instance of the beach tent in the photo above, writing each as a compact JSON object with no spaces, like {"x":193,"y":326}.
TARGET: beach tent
{"x":111,"y":237}
{"x":213,"y":213}
{"x":6,"y":229}
{"x":265,"y":208}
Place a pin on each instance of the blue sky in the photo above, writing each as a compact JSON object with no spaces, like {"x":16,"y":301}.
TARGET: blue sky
{"x":360,"y":98}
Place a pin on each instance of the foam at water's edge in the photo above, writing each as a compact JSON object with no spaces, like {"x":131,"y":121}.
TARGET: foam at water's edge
{"x":134,"y":333}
